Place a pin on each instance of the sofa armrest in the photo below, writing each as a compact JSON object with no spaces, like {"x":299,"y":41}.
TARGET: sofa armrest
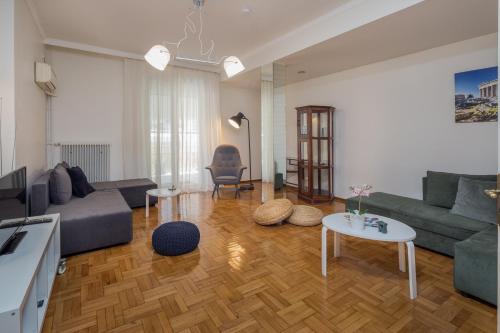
{"x":40,"y":197}
{"x":424,"y":188}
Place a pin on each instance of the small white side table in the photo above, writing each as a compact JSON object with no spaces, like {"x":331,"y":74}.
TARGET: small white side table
{"x":396,"y":232}
{"x":162,"y":194}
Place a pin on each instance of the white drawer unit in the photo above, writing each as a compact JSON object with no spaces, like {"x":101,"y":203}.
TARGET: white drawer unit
{"x":27,"y":277}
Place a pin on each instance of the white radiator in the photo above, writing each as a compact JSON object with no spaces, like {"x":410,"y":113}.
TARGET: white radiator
{"x":92,"y":158}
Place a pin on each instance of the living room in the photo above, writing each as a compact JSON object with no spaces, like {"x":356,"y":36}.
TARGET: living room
{"x":205,"y":166}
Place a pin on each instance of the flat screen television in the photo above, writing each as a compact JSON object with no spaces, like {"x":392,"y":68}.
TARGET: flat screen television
{"x":13,"y":202}
{"x":13,"y":195}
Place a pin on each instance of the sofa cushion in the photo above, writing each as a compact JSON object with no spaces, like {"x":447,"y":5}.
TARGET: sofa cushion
{"x":79,"y":183}
{"x":442,"y":187}
{"x":475,"y":267}
{"x":132,"y":190}
{"x":101,"y":219}
{"x":60,"y":185}
{"x":40,"y":196}
{"x":417,"y":213}
{"x":473,"y":203}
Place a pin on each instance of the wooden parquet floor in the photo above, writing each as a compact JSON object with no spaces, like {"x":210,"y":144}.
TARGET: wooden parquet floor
{"x":248,"y":278}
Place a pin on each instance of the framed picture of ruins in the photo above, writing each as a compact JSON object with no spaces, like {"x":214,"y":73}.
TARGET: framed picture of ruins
{"x":476,"y":96}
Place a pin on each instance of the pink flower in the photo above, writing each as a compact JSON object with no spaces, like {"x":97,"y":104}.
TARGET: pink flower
{"x":361,"y":190}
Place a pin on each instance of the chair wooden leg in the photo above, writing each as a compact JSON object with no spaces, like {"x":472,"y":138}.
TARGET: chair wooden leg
{"x":215,"y":189}
{"x":237,"y":192}
{"x":218,"y":193}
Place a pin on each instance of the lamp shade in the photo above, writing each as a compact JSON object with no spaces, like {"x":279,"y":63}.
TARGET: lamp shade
{"x":233,"y":66}
{"x":235,"y":121}
{"x":158,"y":57}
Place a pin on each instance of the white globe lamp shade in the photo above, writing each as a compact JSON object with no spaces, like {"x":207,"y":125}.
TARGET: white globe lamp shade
{"x":158,"y":57}
{"x":233,"y":66}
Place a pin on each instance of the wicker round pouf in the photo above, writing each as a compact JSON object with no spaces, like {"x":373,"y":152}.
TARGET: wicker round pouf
{"x":305,"y":216}
{"x":273,"y":211}
{"x":176,"y":238}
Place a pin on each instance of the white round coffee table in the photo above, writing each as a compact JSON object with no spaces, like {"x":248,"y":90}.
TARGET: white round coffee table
{"x":162,"y":194}
{"x":397,"y":232}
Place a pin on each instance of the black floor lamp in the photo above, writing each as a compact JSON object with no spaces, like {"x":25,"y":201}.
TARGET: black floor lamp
{"x":235,"y":121}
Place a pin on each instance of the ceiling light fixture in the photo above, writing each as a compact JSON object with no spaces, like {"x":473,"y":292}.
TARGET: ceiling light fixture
{"x":159,"y":55}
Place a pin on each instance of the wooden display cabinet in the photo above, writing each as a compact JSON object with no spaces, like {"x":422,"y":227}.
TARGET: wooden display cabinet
{"x":315,"y":153}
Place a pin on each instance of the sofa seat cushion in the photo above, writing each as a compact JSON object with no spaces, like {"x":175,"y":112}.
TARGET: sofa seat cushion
{"x":133,"y":190}
{"x":439,"y":220}
{"x":475,"y":267}
{"x":101,"y":219}
{"x":418,"y":214}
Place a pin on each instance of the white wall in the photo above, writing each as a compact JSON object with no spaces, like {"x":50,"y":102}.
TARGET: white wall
{"x":247,"y":101}
{"x":395,"y":119}
{"x":89,"y":103}
{"x":89,"y":107}
{"x":29,"y":98}
{"x":7,"y":115}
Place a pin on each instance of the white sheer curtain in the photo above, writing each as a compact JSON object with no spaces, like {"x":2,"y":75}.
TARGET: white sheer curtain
{"x":267,"y":131}
{"x":171,"y":125}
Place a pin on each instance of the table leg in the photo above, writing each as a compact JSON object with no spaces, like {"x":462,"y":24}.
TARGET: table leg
{"x":147,"y":205}
{"x":159,"y":204}
{"x":402,"y":257}
{"x":336,"y":244}
{"x":324,"y":250}
{"x":412,"y":274}
{"x":178,"y":204}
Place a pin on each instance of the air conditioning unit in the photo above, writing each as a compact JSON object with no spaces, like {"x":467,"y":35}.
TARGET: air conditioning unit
{"x":45,"y":78}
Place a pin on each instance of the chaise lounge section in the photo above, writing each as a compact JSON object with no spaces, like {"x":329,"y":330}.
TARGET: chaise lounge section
{"x":132,"y":190}
{"x":471,"y":242}
{"x":101,"y":219}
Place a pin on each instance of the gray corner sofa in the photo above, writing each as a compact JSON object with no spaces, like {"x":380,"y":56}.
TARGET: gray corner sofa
{"x":472,"y":243}
{"x":101,"y":219}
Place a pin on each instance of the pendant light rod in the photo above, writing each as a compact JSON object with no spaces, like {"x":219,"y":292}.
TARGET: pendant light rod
{"x":199,"y":3}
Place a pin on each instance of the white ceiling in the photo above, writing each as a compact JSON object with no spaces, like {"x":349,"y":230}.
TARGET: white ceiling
{"x":423,"y":26}
{"x":134,"y":26}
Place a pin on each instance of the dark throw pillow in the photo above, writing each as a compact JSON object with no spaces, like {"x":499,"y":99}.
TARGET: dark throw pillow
{"x":60,"y":185}
{"x":473,"y":203}
{"x":442,"y":187}
{"x":81,"y":186}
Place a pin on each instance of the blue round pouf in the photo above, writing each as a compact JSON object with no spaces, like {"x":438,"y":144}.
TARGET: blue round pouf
{"x":176,"y":238}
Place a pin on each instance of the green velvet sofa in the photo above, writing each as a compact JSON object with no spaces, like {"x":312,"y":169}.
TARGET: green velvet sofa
{"x":472,"y":243}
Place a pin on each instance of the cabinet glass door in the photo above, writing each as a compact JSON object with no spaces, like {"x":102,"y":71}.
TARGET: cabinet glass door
{"x":303,"y":125}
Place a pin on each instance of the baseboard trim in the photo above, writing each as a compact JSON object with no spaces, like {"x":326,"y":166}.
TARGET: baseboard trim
{"x":340,"y":200}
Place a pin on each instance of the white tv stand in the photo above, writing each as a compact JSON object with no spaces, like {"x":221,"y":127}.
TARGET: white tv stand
{"x":27,"y":277}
